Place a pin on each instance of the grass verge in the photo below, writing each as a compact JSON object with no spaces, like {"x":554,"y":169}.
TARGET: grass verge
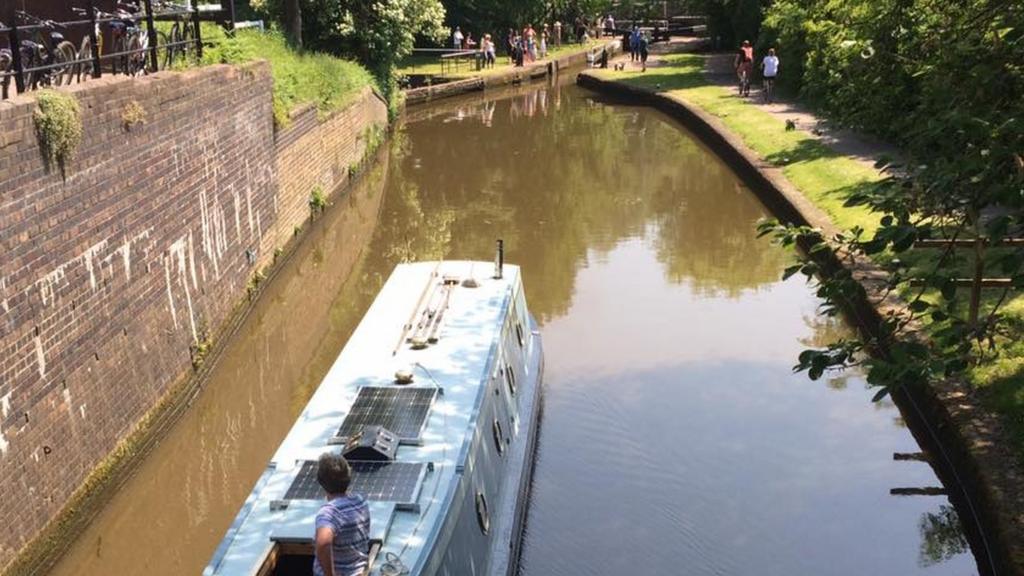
{"x":826,"y":177}
{"x":299,"y":78}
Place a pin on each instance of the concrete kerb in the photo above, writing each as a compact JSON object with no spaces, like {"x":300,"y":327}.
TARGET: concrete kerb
{"x":970,"y":437}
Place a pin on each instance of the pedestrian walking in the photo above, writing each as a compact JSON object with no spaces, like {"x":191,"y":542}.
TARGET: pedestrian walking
{"x":544,"y":42}
{"x":558,"y":34}
{"x":769,"y":71}
{"x":609,"y":25}
{"x":457,"y":38}
{"x":510,"y":45}
{"x":634,"y":44}
{"x":643,"y":52}
{"x":744,"y":64}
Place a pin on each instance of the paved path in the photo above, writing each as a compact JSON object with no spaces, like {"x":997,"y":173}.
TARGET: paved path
{"x":718,"y":70}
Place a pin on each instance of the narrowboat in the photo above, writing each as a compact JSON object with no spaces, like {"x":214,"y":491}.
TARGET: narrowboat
{"x":434,"y":401}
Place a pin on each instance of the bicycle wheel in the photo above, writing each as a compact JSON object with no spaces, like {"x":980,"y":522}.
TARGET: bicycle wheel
{"x":83,"y":68}
{"x":119,"y":63}
{"x":165,"y":41}
{"x":136,"y":57}
{"x":5,"y":79}
{"x":187,"y":38}
{"x":64,"y":55}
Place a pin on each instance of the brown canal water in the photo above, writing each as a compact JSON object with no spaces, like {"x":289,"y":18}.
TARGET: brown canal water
{"x":675,"y":439}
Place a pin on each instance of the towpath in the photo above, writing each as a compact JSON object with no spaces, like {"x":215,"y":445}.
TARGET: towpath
{"x":718,"y":69}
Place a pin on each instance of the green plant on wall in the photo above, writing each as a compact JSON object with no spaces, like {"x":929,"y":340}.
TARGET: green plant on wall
{"x":58,"y":123}
{"x":317,"y":200}
{"x":132,"y":115}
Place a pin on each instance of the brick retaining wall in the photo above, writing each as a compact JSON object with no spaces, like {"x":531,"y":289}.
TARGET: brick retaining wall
{"x":110,"y":273}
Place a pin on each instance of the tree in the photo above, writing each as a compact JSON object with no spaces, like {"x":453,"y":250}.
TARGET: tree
{"x":293,"y":22}
{"x":383,"y":32}
{"x":948,"y":87}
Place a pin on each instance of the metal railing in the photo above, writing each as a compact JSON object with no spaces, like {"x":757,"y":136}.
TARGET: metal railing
{"x":37,"y":55}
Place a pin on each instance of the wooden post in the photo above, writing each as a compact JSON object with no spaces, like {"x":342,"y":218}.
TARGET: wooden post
{"x":94,"y":40}
{"x":976,"y":284}
{"x":19,"y":69}
{"x":151,"y":31}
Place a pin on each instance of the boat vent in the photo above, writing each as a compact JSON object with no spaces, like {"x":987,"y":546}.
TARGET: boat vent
{"x":373,"y":443}
{"x":398,"y":482}
{"x":402,"y":411}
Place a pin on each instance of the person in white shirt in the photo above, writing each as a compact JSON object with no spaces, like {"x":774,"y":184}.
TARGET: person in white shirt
{"x":457,"y":38}
{"x":769,"y":71}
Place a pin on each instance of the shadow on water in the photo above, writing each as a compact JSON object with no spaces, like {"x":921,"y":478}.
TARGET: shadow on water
{"x":675,"y":437}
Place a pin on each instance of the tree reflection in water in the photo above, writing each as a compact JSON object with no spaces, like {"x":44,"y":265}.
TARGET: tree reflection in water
{"x":942,"y":536}
{"x":562,"y":179}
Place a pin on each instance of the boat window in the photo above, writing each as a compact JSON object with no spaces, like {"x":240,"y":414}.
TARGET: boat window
{"x":510,"y":377}
{"x":498,"y":436}
{"x":482,"y":516}
{"x":519,"y":334}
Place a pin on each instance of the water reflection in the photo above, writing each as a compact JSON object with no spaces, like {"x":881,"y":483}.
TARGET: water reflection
{"x":942,"y":537}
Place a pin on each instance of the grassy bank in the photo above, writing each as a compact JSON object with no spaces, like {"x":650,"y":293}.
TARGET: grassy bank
{"x":826,"y":178}
{"x":299,"y":78}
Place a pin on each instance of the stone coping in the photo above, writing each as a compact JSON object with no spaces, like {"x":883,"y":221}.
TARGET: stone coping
{"x":971,"y":438}
{"x":510,"y":75}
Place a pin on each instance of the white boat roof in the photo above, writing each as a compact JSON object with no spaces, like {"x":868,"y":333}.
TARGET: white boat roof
{"x":457,"y":363}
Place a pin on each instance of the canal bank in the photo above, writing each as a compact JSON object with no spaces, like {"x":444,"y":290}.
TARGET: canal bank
{"x":135,"y":264}
{"x":972,"y":441}
{"x":511,"y":75}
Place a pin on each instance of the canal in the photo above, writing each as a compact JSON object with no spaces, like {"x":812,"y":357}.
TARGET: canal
{"x":674,"y":440}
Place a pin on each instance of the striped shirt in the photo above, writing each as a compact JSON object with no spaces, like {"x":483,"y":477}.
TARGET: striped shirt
{"x":348,"y":518}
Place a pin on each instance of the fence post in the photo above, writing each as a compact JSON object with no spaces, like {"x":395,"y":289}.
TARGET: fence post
{"x":19,"y":70}
{"x":197,"y":28}
{"x":151,"y":30}
{"x":94,"y":40}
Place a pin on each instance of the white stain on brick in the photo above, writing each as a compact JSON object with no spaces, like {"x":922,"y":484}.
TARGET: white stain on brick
{"x":88,"y":258}
{"x":126,"y":259}
{"x":4,"y":444}
{"x":49,"y":285}
{"x":3,"y":295}
{"x":170,"y":293}
{"x":180,"y":256}
{"x":81,"y":410}
{"x":40,"y":356}
{"x":238,"y":213}
{"x":5,"y":404}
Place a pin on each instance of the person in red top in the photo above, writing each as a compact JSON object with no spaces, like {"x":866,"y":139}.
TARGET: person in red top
{"x":744,"y":65}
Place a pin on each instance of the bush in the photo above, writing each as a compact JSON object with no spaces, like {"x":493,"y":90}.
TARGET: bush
{"x":58,"y":122}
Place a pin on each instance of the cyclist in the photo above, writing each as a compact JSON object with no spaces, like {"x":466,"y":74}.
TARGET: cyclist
{"x":770,"y":69}
{"x":743,"y":64}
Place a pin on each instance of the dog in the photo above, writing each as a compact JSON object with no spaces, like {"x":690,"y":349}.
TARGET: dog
{"x":790,"y":125}
{"x":620,"y":66}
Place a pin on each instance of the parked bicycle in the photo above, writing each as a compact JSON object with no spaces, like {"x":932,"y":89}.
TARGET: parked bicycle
{"x":47,"y":56}
{"x":179,"y":38}
{"x":6,"y":61}
{"x":83,"y":67}
{"x":129,"y":42}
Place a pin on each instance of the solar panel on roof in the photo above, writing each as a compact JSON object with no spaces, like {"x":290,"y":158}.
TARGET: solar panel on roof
{"x":403,"y":411}
{"x":381,"y":481}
